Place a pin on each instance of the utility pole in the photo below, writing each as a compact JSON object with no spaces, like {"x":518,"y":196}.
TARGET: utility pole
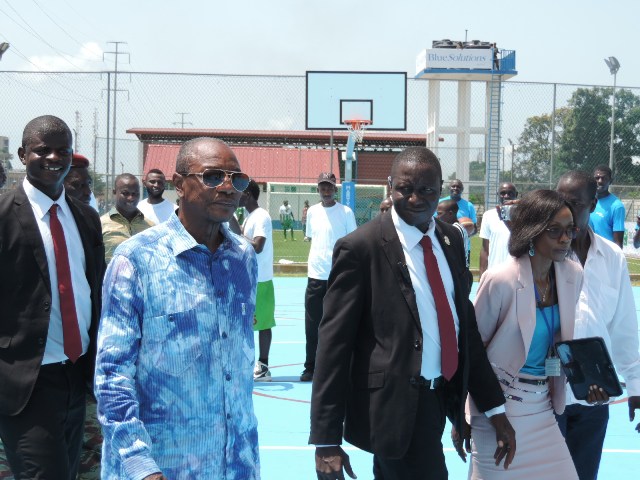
{"x":77,"y":131}
{"x":117,"y":54}
{"x":95,"y":141}
{"x":182,"y":123}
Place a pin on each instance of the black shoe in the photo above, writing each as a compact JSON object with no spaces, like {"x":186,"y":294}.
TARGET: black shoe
{"x":306,"y":376}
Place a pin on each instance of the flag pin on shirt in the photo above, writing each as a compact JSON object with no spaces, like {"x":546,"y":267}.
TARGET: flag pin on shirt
{"x":446,"y":240}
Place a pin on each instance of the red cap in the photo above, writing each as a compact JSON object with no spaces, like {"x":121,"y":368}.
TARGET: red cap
{"x":79,"y":161}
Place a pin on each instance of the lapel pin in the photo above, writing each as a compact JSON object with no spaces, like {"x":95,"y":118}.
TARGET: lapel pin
{"x":446,"y":240}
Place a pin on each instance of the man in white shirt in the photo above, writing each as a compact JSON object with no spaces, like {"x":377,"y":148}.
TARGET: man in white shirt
{"x":399,"y":346}
{"x":52,"y":259}
{"x":154,"y":207}
{"x":494,"y":233}
{"x":327,"y":222}
{"x":257,"y":229}
{"x":605,"y":309}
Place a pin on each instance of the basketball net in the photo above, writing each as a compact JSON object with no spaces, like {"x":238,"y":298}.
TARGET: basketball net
{"x":356,"y":128}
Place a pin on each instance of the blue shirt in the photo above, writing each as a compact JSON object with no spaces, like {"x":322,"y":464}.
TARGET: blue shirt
{"x":174,"y":372}
{"x":534,"y":365}
{"x":465,"y":209}
{"x":608,"y":217}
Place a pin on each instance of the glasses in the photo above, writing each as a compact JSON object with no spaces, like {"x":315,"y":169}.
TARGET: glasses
{"x":557,"y":232}
{"x":212,"y":178}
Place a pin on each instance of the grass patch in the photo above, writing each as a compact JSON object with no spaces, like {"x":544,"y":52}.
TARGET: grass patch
{"x":298,"y":251}
{"x":295,"y":251}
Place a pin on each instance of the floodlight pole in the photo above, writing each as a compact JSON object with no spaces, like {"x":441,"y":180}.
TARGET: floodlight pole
{"x":614,"y":66}
{"x":613,"y":120}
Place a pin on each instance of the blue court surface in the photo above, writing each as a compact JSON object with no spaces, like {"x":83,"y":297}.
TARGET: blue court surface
{"x":282,"y":408}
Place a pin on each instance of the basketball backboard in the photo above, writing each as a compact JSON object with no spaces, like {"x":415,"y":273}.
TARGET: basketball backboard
{"x":335,"y":97}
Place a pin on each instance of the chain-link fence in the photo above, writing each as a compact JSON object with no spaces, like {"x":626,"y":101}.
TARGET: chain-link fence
{"x":546,"y":129}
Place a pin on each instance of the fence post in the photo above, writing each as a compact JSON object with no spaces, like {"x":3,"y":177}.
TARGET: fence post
{"x":553,"y":136}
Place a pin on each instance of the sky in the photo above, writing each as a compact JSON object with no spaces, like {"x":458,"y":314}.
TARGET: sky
{"x":555,"y":41}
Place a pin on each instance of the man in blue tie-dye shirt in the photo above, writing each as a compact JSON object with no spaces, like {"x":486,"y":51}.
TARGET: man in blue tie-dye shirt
{"x":174,"y":372}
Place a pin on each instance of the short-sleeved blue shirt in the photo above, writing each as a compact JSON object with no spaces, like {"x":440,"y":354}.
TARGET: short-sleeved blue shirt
{"x":608,"y":217}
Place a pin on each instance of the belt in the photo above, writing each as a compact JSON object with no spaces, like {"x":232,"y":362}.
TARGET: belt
{"x":422,"y":382}
{"x":532,"y":381}
{"x":63,"y":363}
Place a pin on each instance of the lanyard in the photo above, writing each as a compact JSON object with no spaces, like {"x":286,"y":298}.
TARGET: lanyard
{"x":550,"y":327}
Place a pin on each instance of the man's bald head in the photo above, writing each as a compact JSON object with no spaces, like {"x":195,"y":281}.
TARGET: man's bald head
{"x":189,"y":151}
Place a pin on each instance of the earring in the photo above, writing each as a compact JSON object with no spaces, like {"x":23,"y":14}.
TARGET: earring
{"x":532,"y":252}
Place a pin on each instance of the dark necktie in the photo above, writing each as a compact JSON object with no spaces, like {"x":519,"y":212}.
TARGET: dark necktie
{"x":446,"y":326}
{"x":70,"y":329}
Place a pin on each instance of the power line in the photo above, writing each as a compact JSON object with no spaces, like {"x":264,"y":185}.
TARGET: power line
{"x":64,"y":30}
{"x":38,"y":36}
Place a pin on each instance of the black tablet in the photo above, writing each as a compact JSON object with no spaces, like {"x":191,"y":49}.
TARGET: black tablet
{"x":586,"y":362}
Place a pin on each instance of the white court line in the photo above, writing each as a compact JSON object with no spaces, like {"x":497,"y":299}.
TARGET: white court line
{"x":353,"y":449}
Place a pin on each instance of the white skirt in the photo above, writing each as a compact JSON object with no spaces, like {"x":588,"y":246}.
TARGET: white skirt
{"x":541,"y":451}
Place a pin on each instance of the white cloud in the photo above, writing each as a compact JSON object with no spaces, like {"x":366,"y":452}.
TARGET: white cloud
{"x":88,"y":57}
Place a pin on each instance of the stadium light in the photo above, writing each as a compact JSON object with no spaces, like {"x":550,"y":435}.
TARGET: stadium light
{"x":4,"y":46}
{"x":614,"y":66}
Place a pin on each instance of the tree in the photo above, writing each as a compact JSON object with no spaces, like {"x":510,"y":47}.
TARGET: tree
{"x":582,"y":138}
{"x":533,"y":155}
{"x":587,"y":128}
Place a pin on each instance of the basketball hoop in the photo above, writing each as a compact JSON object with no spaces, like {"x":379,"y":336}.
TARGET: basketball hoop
{"x":356,"y":128}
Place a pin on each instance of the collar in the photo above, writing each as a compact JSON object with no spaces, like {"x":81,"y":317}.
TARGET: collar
{"x":409,"y":235}
{"x":41,"y":203}
{"x":115,"y":213}
{"x":182,"y":241}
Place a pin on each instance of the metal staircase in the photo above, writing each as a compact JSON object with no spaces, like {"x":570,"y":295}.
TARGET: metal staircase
{"x":492,"y":146}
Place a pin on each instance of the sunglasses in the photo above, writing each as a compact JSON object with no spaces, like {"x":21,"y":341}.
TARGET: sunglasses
{"x":557,"y":232}
{"x":213,"y":177}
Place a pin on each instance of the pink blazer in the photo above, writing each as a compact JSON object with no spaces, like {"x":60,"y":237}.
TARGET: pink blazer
{"x":506,"y":314}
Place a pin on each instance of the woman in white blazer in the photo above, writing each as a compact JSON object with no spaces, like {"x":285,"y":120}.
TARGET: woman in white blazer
{"x":523,"y":307}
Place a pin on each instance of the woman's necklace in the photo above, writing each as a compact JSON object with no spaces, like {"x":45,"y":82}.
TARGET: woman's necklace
{"x":543,"y":297}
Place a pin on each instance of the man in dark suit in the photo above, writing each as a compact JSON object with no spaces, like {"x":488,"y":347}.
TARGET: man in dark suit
{"x":52,"y":260}
{"x":381,"y":375}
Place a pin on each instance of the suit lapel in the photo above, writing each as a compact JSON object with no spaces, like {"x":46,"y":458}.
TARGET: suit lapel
{"x":392,"y":248}
{"x":30,"y":231}
{"x":87,"y":246}
{"x":525,"y":308}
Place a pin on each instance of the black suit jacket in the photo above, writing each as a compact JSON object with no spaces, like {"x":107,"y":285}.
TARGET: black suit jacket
{"x":25,"y":294}
{"x":370,"y":344}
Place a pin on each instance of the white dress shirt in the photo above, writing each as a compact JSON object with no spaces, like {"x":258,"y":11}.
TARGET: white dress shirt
{"x":40,"y":203}
{"x":606,"y":309}
{"x":410,"y":238}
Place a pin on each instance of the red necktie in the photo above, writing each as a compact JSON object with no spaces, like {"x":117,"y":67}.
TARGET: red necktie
{"x":448,"y":341}
{"x":70,"y":329}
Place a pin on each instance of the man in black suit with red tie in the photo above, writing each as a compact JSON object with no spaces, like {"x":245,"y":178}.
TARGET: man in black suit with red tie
{"x":52,"y":260}
{"x":399,"y":346}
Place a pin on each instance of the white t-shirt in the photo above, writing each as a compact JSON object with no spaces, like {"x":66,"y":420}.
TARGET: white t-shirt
{"x":325,"y":226}
{"x":258,"y":224}
{"x":287,"y":212}
{"x":157,"y":213}
{"x":495,"y":230}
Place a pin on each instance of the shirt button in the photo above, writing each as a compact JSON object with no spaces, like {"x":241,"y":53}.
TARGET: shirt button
{"x":228,"y":376}
{"x":171,"y":318}
{"x":417,"y":345}
{"x":228,"y":416}
{"x":224,"y":334}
